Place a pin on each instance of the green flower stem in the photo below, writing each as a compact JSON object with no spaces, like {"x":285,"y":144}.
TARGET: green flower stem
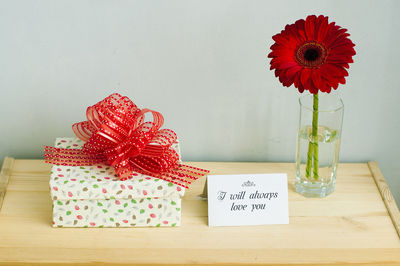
{"x":312,"y":154}
{"x":309,"y":159}
{"x":315,"y":136}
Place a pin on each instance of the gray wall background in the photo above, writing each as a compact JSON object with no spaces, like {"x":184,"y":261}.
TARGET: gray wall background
{"x":203,"y":64}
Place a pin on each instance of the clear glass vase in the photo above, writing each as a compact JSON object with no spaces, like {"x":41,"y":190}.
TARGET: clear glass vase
{"x":317,"y":155}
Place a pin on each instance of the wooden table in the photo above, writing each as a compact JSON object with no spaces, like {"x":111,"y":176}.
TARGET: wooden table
{"x":353,"y":225}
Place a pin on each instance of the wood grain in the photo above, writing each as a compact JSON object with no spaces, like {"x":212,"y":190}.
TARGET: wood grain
{"x":387,"y":196}
{"x":351,"y":226}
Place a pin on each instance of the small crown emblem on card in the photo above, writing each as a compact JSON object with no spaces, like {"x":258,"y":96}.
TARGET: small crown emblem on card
{"x":248,"y":184}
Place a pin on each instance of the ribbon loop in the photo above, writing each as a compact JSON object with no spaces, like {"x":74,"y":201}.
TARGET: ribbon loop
{"x":116,"y":133}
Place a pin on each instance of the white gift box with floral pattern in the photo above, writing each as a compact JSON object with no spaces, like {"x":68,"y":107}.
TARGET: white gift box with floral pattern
{"x":93,"y":196}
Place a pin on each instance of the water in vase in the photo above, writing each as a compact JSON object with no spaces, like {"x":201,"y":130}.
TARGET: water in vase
{"x":323,"y":183}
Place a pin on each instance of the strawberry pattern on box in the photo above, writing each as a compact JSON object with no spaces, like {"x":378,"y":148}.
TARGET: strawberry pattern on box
{"x":93,"y":196}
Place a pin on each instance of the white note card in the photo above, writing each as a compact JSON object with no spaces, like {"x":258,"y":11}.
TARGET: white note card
{"x":248,"y":199}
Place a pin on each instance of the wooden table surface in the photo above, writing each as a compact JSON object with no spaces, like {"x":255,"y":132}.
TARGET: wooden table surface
{"x":353,"y":225}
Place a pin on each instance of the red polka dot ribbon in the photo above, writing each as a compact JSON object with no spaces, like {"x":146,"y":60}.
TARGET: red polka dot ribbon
{"x":117,"y":134}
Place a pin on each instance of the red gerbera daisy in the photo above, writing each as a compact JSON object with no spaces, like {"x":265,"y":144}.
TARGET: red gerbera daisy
{"x":312,"y":55}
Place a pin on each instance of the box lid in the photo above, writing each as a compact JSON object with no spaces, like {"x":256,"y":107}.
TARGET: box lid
{"x":100,"y":181}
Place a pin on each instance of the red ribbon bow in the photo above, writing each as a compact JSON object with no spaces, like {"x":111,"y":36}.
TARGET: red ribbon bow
{"x":116,"y":134}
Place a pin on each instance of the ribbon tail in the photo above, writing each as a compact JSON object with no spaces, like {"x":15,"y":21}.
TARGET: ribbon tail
{"x":182,"y":175}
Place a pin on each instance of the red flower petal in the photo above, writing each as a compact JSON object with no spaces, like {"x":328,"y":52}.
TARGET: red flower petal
{"x":291,"y":72}
{"x":316,"y":78}
{"x":310,"y":26}
{"x":305,"y":75}
{"x":300,"y":29}
{"x":311,"y":86}
{"x":323,"y":30}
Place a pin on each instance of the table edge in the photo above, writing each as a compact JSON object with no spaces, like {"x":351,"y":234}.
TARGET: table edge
{"x":5,"y":173}
{"x":386,"y":195}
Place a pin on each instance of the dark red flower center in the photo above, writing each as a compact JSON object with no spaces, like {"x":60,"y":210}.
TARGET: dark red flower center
{"x":311,"y":54}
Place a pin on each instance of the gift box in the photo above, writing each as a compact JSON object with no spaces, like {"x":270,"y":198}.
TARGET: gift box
{"x":122,"y":170}
{"x":94,"y":196}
